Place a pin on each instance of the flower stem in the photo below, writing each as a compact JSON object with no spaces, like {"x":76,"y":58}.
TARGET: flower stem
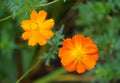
{"x":46,"y":4}
{"x":26,"y":73}
{"x":51,"y":76}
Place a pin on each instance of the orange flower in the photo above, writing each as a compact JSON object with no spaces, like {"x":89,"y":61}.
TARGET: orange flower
{"x":37,"y":29}
{"x":78,"y":53}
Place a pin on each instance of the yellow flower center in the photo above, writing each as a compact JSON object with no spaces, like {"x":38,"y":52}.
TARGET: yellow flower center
{"x":34,"y":25}
{"x":80,"y":55}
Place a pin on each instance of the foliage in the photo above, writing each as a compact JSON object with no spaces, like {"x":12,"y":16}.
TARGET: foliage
{"x":54,"y":44}
{"x":100,"y":19}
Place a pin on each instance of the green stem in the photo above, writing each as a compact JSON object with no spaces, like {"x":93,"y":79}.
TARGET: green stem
{"x":26,"y":73}
{"x":51,"y":76}
{"x":46,"y":4}
{"x":3,"y":19}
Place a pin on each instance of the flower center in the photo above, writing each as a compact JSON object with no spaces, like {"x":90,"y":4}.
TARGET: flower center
{"x":80,"y":55}
{"x":34,"y":25}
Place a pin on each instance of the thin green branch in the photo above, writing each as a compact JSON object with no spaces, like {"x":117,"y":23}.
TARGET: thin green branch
{"x":3,"y":19}
{"x":26,"y":73}
{"x":46,"y":4}
{"x":51,"y":76}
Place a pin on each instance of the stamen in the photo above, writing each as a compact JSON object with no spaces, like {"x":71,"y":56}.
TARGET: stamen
{"x":34,"y":25}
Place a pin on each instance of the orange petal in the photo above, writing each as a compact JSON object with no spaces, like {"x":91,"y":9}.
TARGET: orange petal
{"x":64,"y":52}
{"x":89,"y":63}
{"x":48,"y":24}
{"x":26,"y":35}
{"x":88,"y":41}
{"x":33,"y":15}
{"x":69,"y":63}
{"x":79,"y":41}
{"x":68,"y":43}
{"x":41,"y":16}
{"x":80,"y":67}
{"x":25,"y":24}
{"x":47,"y":33}
{"x":41,"y":40}
{"x":96,"y":56}
{"x":92,"y":49}
{"x":93,"y":57}
{"x":33,"y":39}
{"x":72,"y":66}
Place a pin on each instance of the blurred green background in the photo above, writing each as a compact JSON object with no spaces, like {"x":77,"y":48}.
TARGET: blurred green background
{"x":98,"y":19}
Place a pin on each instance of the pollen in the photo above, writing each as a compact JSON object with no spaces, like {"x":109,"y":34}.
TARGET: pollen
{"x":34,"y":25}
